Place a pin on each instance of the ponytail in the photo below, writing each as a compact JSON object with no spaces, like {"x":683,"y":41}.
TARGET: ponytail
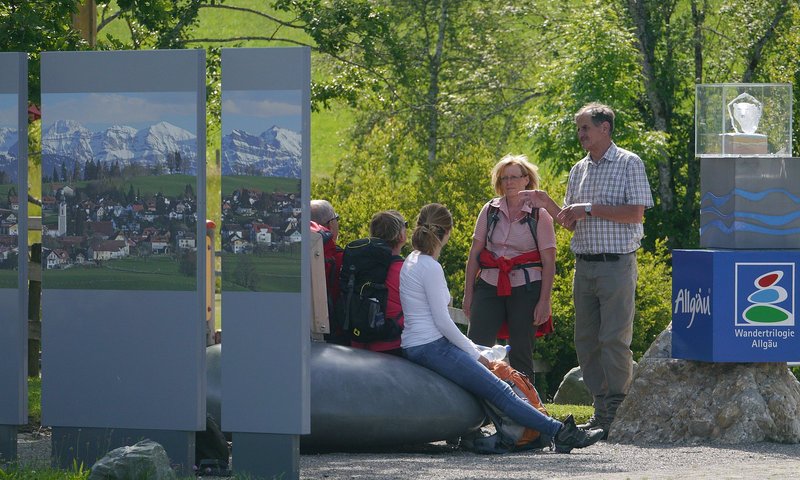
{"x":433,"y":223}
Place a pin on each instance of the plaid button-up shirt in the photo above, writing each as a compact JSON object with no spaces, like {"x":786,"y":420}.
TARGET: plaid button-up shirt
{"x":618,"y":178}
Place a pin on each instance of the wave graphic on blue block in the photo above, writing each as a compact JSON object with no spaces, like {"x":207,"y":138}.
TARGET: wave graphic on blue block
{"x":753,"y":196}
{"x":761,"y":223}
{"x":772,"y":220}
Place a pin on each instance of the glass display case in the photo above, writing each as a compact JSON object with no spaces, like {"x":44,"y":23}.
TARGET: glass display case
{"x":743,"y":120}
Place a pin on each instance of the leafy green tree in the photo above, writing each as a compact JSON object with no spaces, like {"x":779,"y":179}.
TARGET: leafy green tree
{"x":151,"y":24}
{"x":643,"y":58}
{"x":35,"y":27}
{"x":447,"y":75}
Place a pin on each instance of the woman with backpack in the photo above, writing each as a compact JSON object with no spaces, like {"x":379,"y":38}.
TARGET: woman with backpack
{"x":389,"y":226}
{"x":431,"y":339}
{"x":511,"y":266}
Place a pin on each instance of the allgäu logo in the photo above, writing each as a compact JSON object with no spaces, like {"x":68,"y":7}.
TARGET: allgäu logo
{"x":764,"y":294}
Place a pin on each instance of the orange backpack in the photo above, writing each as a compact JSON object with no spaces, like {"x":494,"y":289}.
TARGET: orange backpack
{"x":522,"y":386}
{"x":510,"y":436}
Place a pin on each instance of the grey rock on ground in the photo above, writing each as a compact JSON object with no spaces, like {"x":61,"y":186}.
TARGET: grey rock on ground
{"x":679,"y":401}
{"x":146,"y":459}
{"x":572,"y":390}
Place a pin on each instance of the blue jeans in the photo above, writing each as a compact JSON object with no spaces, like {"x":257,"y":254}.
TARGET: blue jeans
{"x":456,"y":365}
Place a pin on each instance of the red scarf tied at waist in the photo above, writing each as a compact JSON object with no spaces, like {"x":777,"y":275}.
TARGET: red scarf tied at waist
{"x":505,"y":265}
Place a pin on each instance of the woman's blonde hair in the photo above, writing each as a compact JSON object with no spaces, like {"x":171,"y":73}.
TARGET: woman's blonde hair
{"x":433,"y":223}
{"x":529,"y":169}
{"x":388,"y":226}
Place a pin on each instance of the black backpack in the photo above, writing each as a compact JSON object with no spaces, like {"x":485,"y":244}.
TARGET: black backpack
{"x":361,"y":309}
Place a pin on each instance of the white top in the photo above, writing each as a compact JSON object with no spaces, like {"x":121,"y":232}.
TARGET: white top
{"x":425,"y":297}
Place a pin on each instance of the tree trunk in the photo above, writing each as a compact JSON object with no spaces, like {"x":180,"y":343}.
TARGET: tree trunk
{"x":433,"y":86}
{"x":693,"y":170}
{"x":645,"y":44}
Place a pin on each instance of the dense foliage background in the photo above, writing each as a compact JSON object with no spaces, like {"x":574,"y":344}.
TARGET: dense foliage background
{"x":416,"y":100}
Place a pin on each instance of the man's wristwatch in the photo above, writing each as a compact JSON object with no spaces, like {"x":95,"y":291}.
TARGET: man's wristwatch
{"x":588,"y":209}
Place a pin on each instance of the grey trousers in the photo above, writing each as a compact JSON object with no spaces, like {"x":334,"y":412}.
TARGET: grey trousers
{"x":604,"y":295}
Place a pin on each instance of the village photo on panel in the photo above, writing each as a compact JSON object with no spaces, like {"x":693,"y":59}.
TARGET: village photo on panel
{"x":9,"y":196}
{"x":261,"y":229}
{"x":119,"y":200}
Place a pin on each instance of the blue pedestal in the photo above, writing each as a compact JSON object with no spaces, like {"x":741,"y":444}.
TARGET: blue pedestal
{"x":735,"y":305}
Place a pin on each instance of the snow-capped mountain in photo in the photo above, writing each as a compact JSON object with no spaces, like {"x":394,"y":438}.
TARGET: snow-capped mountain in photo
{"x":153,"y":147}
{"x":276,"y":152}
{"x":8,"y":153}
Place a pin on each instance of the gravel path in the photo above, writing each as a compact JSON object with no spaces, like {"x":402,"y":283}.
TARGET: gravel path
{"x":604,"y":460}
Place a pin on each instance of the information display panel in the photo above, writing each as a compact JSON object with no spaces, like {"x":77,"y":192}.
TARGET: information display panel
{"x":266,"y":303}
{"x":123,"y":303}
{"x":13,"y":239}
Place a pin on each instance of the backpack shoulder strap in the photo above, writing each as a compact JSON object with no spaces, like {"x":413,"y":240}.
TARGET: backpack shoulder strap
{"x":532,"y":219}
{"x":492,"y":216}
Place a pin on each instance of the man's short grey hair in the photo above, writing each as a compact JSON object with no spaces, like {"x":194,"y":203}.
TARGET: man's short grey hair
{"x":599,"y":113}
{"x":322,"y":211}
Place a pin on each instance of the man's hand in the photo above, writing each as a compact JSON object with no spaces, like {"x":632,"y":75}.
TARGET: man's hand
{"x":537,"y":198}
{"x":570,"y":214}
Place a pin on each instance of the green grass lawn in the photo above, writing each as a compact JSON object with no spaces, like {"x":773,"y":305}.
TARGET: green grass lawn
{"x":5,"y":188}
{"x":266,"y":272}
{"x":263,"y":184}
{"x":169,"y":185}
{"x":151,"y":273}
{"x":9,"y":278}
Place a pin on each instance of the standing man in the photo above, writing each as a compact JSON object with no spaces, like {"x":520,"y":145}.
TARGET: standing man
{"x":607,"y":194}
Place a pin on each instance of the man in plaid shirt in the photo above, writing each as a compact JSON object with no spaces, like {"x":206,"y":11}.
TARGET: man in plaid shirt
{"x":607,"y":194}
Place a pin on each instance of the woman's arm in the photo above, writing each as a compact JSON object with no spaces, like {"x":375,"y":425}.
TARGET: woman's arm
{"x":473,"y":266}
{"x":543,"y":308}
{"x":471,"y":274}
{"x":438,"y":298}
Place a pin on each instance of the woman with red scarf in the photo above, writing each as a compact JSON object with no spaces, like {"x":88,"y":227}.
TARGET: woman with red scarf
{"x":511,"y":265}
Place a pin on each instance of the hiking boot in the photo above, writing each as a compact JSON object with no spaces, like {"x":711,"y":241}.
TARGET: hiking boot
{"x":570,"y":436}
{"x":594,"y":422}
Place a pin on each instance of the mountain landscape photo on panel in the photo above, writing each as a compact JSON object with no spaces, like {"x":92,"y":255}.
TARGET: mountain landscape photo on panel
{"x":119,"y":207}
{"x":261,"y":205}
{"x":9,"y":196}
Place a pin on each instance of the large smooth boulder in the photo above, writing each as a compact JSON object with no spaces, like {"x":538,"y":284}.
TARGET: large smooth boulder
{"x":363,"y":400}
{"x":673,"y":400}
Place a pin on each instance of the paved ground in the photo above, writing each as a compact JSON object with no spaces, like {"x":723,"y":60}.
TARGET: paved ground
{"x":602,"y":461}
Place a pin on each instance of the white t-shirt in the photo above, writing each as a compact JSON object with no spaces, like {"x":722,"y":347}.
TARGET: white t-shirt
{"x":425,"y":297}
